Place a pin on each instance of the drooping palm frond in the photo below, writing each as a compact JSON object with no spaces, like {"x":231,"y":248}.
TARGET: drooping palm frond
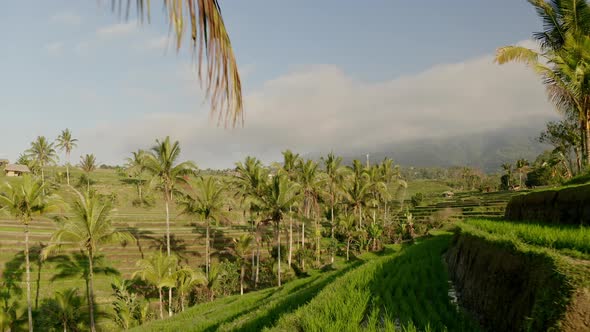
{"x":516,"y":54}
{"x":210,"y":43}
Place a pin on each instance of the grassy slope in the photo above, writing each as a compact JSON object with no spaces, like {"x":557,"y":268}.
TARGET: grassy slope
{"x":408,"y":286}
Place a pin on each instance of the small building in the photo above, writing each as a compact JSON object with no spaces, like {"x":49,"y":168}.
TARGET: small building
{"x":16,"y":169}
{"x":448,"y":194}
{"x":3,"y":162}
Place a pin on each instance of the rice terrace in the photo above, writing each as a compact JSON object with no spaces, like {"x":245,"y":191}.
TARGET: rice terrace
{"x":208,"y":165}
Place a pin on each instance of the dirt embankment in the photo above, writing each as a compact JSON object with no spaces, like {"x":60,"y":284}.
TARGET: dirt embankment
{"x":562,"y":206}
{"x":509,"y":290}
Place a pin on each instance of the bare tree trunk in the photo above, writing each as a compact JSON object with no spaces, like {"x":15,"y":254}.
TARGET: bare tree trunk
{"x":317,"y":242}
{"x":43,"y":180}
{"x":161,"y":303}
{"x":28,"y":267}
{"x":587,"y":137}
{"x":332,"y":227}
{"x":91,"y":290}
{"x":279,"y":252}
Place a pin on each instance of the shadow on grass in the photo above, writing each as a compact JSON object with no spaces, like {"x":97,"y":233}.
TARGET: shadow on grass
{"x":291,"y":302}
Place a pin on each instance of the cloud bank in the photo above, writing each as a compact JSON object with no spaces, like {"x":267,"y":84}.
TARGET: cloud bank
{"x":321,"y":108}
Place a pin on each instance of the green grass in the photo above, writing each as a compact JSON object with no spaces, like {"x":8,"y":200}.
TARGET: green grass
{"x":426,"y":187}
{"x":570,"y":240}
{"x":408,"y":289}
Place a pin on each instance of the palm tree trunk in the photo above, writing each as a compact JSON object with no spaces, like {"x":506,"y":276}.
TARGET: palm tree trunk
{"x":360,"y":216}
{"x":207,"y":244}
{"x":257,"y":263}
{"x":167,"y":199}
{"x":317,"y":242}
{"x":161,"y":303}
{"x":43,"y":179}
{"x":182,"y":300}
{"x":242,"y":279}
{"x":303,"y":245}
{"x":332,"y":227}
{"x":28,"y":267}
{"x":290,"y":238}
{"x":279,"y":252}
{"x":67,"y":171}
{"x":587,"y":137}
{"x":347,"y":248}
{"x":91,"y":290}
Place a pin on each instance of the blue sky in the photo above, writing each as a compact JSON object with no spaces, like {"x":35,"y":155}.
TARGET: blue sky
{"x":312,"y":70}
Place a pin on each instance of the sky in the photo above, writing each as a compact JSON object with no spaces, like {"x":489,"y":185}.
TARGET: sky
{"x":318,"y":76}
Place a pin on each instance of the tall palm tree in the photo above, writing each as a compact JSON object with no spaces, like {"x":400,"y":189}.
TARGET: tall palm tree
{"x":24,"y":202}
{"x":347,"y":228}
{"x":335,"y":176}
{"x":562,"y":60}
{"x":161,"y":164}
{"x":43,"y":153}
{"x":134,"y":166}
{"x":391,"y":174}
{"x":88,"y":165}
{"x":89,"y":228}
{"x":357,"y":191}
{"x":310,"y":183}
{"x":521,"y":167}
{"x":65,"y":142}
{"x":159,"y":271}
{"x":278,"y":197}
{"x":251,"y":178}
{"x":290,"y":162}
{"x":241,"y":247}
{"x":206,"y":200}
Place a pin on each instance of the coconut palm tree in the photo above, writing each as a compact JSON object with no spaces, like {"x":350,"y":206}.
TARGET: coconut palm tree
{"x":251,"y":178}
{"x":88,"y":229}
{"x":25,"y":202}
{"x":88,"y":165}
{"x":43,"y":153}
{"x":241,"y":247}
{"x":65,"y":310}
{"x":357,"y":191}
{"x":161,"y":164}
{"x":65,"y":142}
{"x":186,"y":280}
{"x":310,"y":183}
{"x":391,"y":174}
{"x":277,"y":199}
{"x":77,"y":266}
{"x":347,"y":228}
{"x":562,"y":59}
{"x":134,"y":166}
{"x":159,"y":271}
{"x":290,"y":162}
{"x":206,"y":199}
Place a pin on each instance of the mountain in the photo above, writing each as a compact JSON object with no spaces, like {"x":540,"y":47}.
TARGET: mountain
{"x":486,"y":150}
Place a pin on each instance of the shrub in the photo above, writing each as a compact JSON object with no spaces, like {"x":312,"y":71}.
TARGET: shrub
{"x":417,"y":199}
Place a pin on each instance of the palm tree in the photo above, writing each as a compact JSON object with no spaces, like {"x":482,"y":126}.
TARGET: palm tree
{"x":65,"y":142}
{"x":562,"y":59}
{"x":278,"y":197}
{"x":66,"y":308}
{"x":290,"y":162}
{"x":310,"y":184}
{"x":43,"y":153}
{"x":357,"y":191}
{"x":521,"y":167}
{"x":241,"y":247}
{"x":158,"y":270}
{"x":251,"y":179}
{"x":77,"y":266}
{"x":160,"y":163}
{"x":346,"y":228}
{"x":89,"y":228}
{"x":24,"y":202}
{"x":186,"y":280}
{"x":507,"y":167}
{"x":206,"y":200}
{"x":88,"y":165}
{"x":389,"y":174}
{"x":135,"y":168}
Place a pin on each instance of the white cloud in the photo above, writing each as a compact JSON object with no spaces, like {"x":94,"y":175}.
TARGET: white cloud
{"x":66,"y":18}
{"x":55,"y":48}
{"x":321,"y":108}
{"x":117,"y":30}
{"x":158,"y":43}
